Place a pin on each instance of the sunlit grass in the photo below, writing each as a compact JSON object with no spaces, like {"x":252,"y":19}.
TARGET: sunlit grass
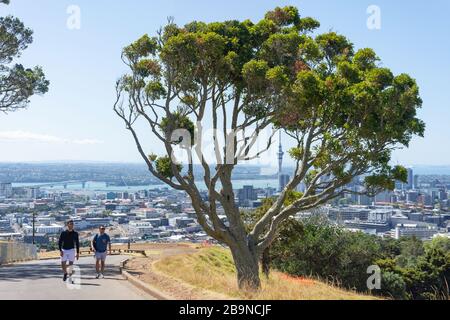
{"x":213,"y":269}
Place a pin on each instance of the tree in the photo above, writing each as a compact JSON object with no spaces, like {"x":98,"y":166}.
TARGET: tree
{"x":411,"y":248}
{"x":420,"y":272}
{"x":327,"y":251}
{"x":345,"y":113}
{"x":17,"y":83}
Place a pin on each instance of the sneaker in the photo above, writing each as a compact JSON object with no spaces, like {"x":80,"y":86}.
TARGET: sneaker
{"x":65,"y":277}
{"x":102,"y":276}
{"x":97,"y":276}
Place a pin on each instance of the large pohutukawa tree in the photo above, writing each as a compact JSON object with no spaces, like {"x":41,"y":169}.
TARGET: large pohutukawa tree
{"x":345,"y":112}
{"x":17,"y":83}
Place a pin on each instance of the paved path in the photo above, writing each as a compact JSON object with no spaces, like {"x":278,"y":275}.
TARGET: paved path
{"x":42,"y":280}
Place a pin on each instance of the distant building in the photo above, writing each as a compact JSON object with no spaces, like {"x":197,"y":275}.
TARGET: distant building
{"x":283,"y":181}
{"x":111,"y":195}
{"x":246,"y":195}
{"x":411,"y":196}
{"x":110,"y":206}
{"x":184,"y":222}
{"x":379,"y":227}
{"x":398,"y":218}
{"x":416,"y":182}
{"x":157,"y":222}
{"x":5,"y":226}
{"x":97,"y":222}
{"x":384,"y":197}
{"x":442,"y":195}
{"x":420,"y":231}
{"x":52,"y":229}
{"x":140,"y":228}
{"x":33,"y":193}
{"x":415,"y":216}
{"x":380,"y":215}
{"x":39,"y":238}
{"x":6,"y":190}
{"x":364,"y":200}
{"x":348,"y":213}
{"x":409,"y":185}
{"x":45,"y":220}
{"x":146,"y":213}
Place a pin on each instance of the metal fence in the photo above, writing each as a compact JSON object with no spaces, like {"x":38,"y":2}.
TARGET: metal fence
{"x":16,"y":251}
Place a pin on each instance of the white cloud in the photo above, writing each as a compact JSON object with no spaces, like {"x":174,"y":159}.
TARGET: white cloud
{"x":43,"y":138}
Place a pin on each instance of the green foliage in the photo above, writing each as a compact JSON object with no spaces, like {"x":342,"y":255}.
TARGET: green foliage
{"x":296,"y":153}
{"x":327,"y":251}
{"x":393,"y":285}
{"x":155,"y":91}
{"x":147,"y":67}
{"x":411,"y":249}
{"x":141,"y":48}
{"x":17,"y":83}
{"x":277,"y":73}
{"x":291,"y":78}
{"x":164,"y":167}
{"x":254,"y":72}
{"x":410,"y":269}
{"x":152,"y":157}
{"x":284,"y":16}
{"x":176,"y":121}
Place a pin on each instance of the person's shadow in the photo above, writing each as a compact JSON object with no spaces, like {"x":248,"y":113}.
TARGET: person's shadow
{"x":39,"y":271}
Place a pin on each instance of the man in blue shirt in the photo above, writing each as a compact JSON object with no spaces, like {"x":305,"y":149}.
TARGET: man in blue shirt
{"x":99,"y":245}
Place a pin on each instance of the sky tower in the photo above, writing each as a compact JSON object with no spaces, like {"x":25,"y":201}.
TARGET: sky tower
{"x":283,"y":179}
{"x":280,"y":157}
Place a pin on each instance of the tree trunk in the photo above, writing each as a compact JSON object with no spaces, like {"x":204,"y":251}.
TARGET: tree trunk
{"x":247,"y":268}
{"x":265,"y":262}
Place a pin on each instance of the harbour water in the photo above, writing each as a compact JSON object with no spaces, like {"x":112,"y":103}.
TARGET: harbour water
{"x":93,"y":186}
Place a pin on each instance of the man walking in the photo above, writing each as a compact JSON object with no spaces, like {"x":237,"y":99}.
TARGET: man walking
{"x":68,"y":241}
{"x":100,"y":243}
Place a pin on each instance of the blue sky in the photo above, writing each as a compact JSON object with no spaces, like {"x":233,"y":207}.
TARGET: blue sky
{"x":75,"y":121}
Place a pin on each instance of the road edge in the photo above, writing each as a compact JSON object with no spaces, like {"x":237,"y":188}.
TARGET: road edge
{"x":142,"y":285}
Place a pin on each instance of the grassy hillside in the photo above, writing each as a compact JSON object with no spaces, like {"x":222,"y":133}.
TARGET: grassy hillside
{"x":213,"y":269}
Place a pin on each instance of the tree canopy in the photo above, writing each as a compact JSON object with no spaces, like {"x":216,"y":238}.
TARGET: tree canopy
{"x":17,"y":83}
{"x":345,"y":112}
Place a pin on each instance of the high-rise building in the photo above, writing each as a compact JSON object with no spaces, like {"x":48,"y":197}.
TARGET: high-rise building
{"x":111,"y":195}
{"x":283,"y":180}
{"x":280,"y":164}
{"x":33,"y":193}
{"x":409,"y":185}
{"x":416,"y":181}
{"x":442,"y":194}
{"x":6,"y":190}
{"x":280,"y":156}
{"x":411,"y":196}
{"x":364,"y":200}
{"x":245,"y":195}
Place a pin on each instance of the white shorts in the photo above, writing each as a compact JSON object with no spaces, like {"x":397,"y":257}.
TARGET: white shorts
{"x":100,"y":255}
{"x":68,"y":255}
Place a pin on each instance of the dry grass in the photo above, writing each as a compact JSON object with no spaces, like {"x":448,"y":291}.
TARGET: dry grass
{"x":149,"y":248}
{"x":213,"y":269}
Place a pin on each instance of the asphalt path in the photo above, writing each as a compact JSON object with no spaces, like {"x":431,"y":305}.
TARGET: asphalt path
{"x":42,"y":280}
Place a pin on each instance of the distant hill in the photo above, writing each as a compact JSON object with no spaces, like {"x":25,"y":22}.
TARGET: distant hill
{"x":431,"y":170}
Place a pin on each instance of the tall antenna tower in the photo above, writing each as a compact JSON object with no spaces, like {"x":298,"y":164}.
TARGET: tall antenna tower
{"x":280,"y":156}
